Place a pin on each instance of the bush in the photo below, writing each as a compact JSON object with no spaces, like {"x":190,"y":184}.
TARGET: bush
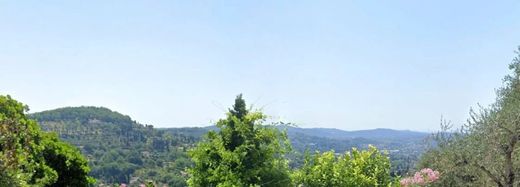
{"x":355,"y":168}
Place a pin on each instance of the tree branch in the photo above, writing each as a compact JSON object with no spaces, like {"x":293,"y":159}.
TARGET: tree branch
{"x":490,"y":175}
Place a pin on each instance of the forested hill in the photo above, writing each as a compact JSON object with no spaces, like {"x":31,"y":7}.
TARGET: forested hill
{"x":119,"y":149}
{"x":83,"y":114}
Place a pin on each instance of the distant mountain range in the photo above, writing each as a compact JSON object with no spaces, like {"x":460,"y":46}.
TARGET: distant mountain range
{"x":368,"y":134}
{"x":330,"y":133}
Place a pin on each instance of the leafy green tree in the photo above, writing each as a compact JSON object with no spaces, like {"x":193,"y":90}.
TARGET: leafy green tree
{"x":29,"y":157}
{"x":485,"y":151}
{"x":243,"y":153}
{"x":21,"y":163}
{"x":67,"y":161}
{"x":356,"y":168}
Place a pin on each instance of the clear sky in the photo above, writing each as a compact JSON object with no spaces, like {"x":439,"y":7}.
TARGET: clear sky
{"x":341,"y":64}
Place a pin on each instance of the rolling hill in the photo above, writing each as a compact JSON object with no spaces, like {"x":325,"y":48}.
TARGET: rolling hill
{"x":119,"y":149}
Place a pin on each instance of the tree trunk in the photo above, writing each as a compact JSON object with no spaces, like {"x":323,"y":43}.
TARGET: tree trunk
{"x":509,"y":174}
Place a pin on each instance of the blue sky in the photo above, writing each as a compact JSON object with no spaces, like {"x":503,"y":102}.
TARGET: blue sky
{"x":341,"y":64}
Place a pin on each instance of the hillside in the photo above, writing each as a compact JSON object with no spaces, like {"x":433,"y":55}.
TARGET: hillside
{"x":119,"y":149}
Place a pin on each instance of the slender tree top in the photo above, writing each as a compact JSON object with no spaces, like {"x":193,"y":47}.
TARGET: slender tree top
{"x":239,"y":108}
{"x":515,"y":65}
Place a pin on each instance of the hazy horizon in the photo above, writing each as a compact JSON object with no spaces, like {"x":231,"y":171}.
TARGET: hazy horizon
{"x":214,"y":124}
{"x":346,"y":65}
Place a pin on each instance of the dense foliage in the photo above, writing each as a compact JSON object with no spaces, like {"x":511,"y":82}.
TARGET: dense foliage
{"x":71,"y":167}
{"x":485,"y":152}
{"x":119,"y":149}
{"x":30,"y":157}
{"x":243,"y":153}
{"x":84,"y":114}
{"x":356,"y":169}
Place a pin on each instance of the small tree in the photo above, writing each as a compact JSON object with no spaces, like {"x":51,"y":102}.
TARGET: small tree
{"x":243,"y":153}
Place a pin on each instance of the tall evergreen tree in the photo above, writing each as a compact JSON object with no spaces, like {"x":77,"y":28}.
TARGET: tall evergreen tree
{"x":244,"y":152}
{"x":239,"y":108}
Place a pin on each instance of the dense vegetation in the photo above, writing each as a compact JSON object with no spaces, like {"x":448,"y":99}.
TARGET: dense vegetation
{"x":119,"y":149}
{"x":247,"y":152}
{"x":241,"y":151}
{"x":30,"y":157}
{"x":355,"y":168}
{"x":485,"y":151}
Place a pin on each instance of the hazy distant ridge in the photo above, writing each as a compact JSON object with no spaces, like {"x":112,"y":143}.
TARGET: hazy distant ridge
{"x":331,"y":133}
{"x":380,"y":133}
